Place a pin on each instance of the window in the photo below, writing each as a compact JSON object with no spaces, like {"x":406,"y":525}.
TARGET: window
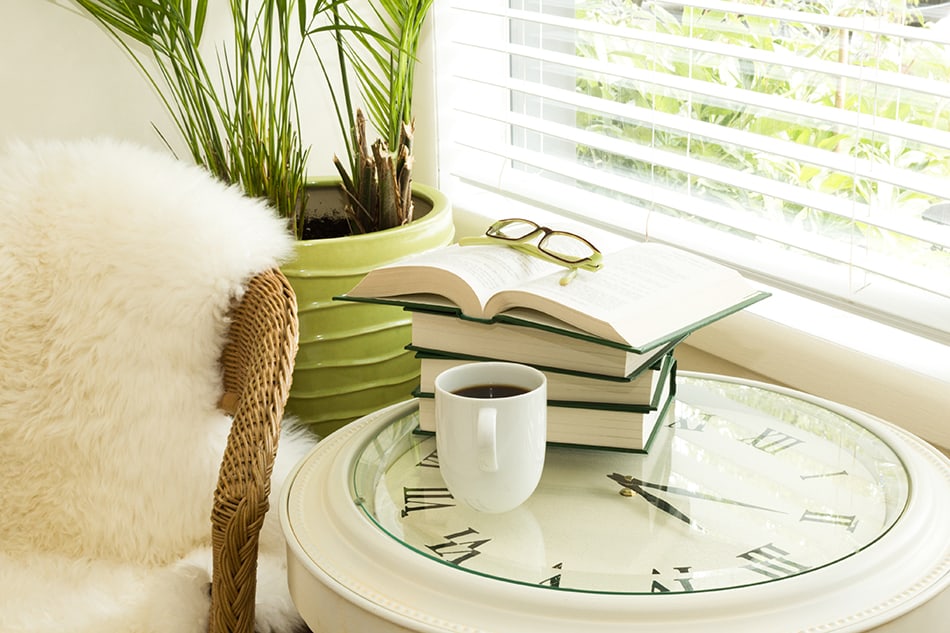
{"x":806,"y":142}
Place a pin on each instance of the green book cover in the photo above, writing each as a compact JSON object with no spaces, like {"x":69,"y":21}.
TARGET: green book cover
{"x":600,"y":443}
{"x":651,"y":363}
{"x":647,"y":446}
{"x":667,"y":373}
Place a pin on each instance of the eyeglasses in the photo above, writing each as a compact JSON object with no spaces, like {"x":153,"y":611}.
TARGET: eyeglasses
{"x":559,"y":247}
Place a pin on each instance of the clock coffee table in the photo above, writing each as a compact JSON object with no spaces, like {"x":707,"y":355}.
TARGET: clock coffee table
{"x":756,"y":509}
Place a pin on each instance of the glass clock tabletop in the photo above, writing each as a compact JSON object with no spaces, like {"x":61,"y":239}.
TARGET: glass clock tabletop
{"x":741,"y":485}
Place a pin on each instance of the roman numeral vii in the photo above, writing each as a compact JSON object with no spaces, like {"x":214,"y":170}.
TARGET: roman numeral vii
{"x":772,"y":441}
{"x":425,"y":499}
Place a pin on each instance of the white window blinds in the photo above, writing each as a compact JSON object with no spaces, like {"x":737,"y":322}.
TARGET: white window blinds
{"x":804,"y":142}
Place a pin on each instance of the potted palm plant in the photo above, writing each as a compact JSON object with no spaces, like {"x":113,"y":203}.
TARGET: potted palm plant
{"x":353,"y":360}
{"x":376,"y":177}
{"x":239,"y":117}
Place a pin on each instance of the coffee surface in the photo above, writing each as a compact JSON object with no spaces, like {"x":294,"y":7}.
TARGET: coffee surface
{"x":490,"y":391}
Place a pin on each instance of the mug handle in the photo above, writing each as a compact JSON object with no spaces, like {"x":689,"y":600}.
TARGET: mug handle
{"x":485,"y":440}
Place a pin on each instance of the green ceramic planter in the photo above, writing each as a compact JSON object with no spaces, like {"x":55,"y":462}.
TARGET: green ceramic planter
{"x":352,"y":358}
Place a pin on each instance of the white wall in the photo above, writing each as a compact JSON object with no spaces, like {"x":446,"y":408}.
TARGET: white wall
{"x":62,"y":77}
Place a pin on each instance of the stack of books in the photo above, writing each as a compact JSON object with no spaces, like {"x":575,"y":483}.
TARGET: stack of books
{"x":584,"y":410}
{"x":605,"y":340}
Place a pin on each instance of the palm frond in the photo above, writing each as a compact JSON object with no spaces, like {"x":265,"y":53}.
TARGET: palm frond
{"x":243,"y":125}
{"x":379,"y":51}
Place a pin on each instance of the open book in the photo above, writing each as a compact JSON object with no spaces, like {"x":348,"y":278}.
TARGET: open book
{"x":644,"y":296}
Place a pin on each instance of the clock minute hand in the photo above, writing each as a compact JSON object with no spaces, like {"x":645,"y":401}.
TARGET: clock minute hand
{"x":629,"y":482}
{"x":691,"y":493}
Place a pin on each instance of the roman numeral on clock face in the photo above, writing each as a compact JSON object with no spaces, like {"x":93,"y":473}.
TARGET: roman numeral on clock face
{"x":425,"y":499}
{"x":771,"y":561}
{"x":772,"y":441}
{"x":555,"y":580}
{"x":459,"y":547}
{"x":840,"y":473}
{"x":681,"y":575}
{"x":848,"y":521}
{"x":693,"y":423}
{"x":429,"y":461}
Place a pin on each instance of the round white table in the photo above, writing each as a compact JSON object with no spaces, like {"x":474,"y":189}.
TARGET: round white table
{"x":358,"y":558}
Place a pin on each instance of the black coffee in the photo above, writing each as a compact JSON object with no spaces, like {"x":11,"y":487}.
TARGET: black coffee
{"x":490,"y":391}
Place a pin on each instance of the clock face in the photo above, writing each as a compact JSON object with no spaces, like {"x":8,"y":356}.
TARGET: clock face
{"x":741,"y":486}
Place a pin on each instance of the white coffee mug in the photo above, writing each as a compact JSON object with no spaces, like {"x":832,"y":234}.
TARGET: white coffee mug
{"x":491,"y":429}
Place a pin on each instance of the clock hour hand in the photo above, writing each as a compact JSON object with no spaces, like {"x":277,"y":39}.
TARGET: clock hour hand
{"x":629,"y":482}
{"x":633,"y":484}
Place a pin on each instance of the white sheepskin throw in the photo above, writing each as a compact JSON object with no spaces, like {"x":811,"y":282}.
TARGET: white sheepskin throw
{"x":117,"y":268}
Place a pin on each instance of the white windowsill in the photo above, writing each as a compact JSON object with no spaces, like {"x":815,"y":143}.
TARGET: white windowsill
{"x":805,"y":345}
{"x":836,"y":355}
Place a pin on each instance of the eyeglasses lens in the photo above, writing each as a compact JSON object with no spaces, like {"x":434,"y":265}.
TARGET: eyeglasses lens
{"x":566,"y":246}
{"x":512,"y":229}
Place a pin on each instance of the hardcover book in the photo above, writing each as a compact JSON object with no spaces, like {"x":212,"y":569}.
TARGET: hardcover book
{"x":562,"y":385}
{"x":645,"y":296}
{"x":596,"y":425}
{"x":445,"y":335}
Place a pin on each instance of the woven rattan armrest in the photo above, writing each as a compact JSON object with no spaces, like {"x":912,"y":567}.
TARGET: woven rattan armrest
{"x":257,"y":363}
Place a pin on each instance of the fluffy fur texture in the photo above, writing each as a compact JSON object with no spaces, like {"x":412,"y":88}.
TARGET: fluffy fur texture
{"x":117,"y":268}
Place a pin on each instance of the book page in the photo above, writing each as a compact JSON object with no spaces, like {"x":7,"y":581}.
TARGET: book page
{"x":629,"y":277}
{"x":485,"y":270}
{"x":627,"y":293}
{"x":640,"y":274}
{"x":490,"y":269}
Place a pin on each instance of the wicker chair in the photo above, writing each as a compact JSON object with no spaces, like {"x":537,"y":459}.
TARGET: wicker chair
{"x":257,"y":363}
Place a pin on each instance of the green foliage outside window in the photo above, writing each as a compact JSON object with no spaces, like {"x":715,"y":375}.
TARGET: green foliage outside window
{"x":911,"y":57}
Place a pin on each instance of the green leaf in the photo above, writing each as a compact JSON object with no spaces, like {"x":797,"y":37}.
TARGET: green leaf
{"x":242,"y":123}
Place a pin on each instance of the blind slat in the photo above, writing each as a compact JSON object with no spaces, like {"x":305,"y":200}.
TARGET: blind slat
{"x":904,"y":178}
{"x":870,"y":24}
{"x":929,"y":86}
{"x":706,"y":209}
{"x":875,"y":24}
{"x":836,"y":117}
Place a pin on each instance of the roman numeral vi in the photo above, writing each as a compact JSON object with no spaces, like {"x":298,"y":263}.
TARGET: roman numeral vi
{"x":457,"y":549}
